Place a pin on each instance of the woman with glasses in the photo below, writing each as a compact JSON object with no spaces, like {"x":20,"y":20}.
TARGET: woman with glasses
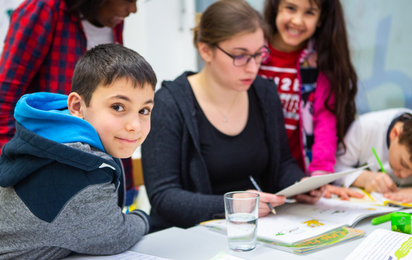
{"x":213,"y":129}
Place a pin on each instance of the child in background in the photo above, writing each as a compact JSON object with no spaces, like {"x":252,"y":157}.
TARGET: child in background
{"x":390,"y":133}
{"x":62,"y":186}
{"x":317,"y":84}
{"x":45,"y":40}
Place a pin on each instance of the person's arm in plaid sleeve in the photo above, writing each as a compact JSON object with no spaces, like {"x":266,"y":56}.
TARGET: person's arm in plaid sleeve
{"x":27,"y":43}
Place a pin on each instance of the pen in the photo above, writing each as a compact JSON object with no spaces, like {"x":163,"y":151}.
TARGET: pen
{"x":258,"y":189}
{"x":379,"y":161}
{"x":380,"y":164}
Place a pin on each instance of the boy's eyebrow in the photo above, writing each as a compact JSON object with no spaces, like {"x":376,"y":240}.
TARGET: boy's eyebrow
{"x":121,"y":97}
{"x":150,"y":101}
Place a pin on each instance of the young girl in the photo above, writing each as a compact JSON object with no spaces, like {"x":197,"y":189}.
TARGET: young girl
{"x":317,"y":84}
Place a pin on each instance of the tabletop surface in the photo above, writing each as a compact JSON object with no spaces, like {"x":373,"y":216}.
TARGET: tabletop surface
{"x":201,"y":243}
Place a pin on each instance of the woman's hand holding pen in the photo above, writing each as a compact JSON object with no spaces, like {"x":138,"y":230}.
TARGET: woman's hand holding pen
{"x":265,"y":198}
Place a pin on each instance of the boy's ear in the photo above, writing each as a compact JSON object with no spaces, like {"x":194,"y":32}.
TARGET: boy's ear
{"x":396,"y":130}
{"x":75,"y":105}
{"x":205,"y":51}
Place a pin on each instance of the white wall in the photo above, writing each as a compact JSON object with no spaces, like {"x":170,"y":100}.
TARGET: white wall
{"x":161,"y":32}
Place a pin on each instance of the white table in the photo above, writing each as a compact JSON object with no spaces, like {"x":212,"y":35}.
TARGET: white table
{"x":200,"y":243}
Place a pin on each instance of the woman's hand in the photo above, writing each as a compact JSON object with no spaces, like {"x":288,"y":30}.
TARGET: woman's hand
{"x":265,"y":198}
{"x":311,"y":197}
{"x":343,"y":193}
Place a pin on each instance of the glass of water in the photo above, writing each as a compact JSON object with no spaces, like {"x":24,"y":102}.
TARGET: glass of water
{"x":242,"y":212}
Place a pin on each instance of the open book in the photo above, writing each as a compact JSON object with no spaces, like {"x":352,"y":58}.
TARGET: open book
{"x":296,"y":222}
{"x":383,"y":244}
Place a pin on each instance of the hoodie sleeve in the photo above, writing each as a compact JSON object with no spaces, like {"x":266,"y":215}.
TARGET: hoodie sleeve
{"x":96,"y":223}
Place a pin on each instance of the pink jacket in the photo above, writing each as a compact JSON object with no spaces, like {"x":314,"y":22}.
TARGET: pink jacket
{"x":324,"y":126}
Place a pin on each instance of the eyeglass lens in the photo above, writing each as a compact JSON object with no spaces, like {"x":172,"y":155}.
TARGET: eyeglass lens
{"x":241,"y":60}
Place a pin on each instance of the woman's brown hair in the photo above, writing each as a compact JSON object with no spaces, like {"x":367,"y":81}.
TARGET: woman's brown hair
{"x":226,"y":18}
{"x":333,"y":59}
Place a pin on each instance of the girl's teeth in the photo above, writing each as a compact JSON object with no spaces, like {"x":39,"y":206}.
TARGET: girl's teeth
{"x":293,"y":31}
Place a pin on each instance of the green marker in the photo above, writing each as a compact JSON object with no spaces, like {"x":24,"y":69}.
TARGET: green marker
{"x":381,"y":219}
{"x":379,"y":161}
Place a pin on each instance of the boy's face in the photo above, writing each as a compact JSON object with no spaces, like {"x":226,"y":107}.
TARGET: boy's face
{"x":120,"y":113}
{"x":399,"y":159}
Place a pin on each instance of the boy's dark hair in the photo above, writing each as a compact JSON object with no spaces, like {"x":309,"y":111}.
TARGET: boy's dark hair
{"x":106,"y":63}
{"x":405,"y":137}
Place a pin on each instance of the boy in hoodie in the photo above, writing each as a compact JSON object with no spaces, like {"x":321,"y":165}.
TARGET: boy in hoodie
{"x":61,"y":182}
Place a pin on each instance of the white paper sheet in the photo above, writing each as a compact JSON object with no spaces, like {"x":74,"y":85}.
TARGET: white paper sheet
{"x":314,"y":182}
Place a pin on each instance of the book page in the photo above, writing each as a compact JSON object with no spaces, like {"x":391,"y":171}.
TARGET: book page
{"x":225,"y":256}
{"x":378,"y":197}
{"x":314,"y":182}
{"x":295,"y":222}
{"x":384,"y":245}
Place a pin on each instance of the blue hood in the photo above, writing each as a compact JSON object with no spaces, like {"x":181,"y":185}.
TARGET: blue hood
{"x":46,"y":114}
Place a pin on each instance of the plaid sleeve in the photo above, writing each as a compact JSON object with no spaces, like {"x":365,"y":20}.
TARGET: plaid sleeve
{"x":27,"y":43}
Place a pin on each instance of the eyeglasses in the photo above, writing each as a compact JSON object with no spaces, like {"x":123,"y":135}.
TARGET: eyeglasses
{"x":243,"y":59}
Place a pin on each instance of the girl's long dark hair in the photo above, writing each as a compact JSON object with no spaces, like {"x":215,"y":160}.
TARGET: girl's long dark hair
{"x":334,"y":61}
{"x":84,"y":9}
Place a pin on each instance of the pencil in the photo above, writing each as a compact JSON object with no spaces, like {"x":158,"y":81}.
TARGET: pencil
{"x":379,"y":161}
{"x":258,"y":189}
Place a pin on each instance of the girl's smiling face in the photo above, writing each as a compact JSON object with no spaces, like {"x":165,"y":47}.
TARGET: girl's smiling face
{"x":296,"y":22}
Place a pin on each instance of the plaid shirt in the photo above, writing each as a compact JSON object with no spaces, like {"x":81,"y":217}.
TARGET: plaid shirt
{"x":42,"y":46}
